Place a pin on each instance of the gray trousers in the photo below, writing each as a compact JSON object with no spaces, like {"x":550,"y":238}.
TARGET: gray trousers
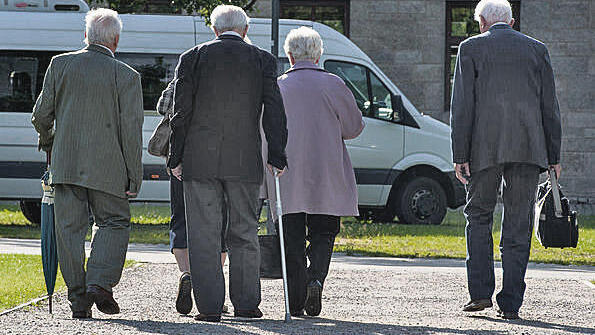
{"x":108,"y":247}
{"x":205,"y":201}
{"x":519,"y":190}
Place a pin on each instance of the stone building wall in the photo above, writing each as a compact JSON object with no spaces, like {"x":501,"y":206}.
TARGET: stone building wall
{"x":406,"y":39}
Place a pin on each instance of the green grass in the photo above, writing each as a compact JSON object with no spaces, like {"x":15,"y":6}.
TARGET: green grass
{"x":356,"y":238}
{"x":21,"y":279}
{"x":448,"y":241}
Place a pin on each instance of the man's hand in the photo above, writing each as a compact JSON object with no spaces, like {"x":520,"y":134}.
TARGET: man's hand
{"x":177,"y":172}
{"x":279,"y":172}
{"x":558,"y":169}
{"x":130,"y":194}
{"x":462,"y":171}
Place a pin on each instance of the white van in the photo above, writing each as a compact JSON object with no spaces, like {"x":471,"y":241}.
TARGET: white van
{"x":402,"y":160}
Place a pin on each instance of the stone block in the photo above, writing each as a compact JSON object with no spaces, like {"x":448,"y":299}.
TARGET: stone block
{"x":571,"y":49}
{"x":584,"y":144}
{"x":570,"y":65}
{"x":436,"y":9}
{"x":433,"y":96}
{"x":569,"y":8}
{"x":412,"y":7}
{"x":428,"y":72}
{"x":407,"y":56}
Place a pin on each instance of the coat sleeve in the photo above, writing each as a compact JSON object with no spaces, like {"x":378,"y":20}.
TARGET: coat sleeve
{"x":274,"y":121}
{"x":130,"y":99}
{"x":166,"y":101}
{"x":44,"y":113}
{"x":184,"y":88}
{"x":462,"y":107}
{"x":345,"y":107}
{"x":550,"y":111}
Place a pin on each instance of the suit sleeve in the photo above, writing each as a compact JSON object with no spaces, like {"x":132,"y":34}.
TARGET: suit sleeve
{"x":462,"y":107}
{"x":43,"y":112}
{"x":184,"y":88}
{"x":274,"y":121}
{"x":130,"y":99}
{"x":349,"y":115}
{"x":550,"y":112}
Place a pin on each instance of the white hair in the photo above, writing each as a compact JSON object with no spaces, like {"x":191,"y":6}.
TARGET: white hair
{"x":102,"y":26}
{"x":494,"y":11}
{"x":304,"y":44}
{"x":228,"y":17}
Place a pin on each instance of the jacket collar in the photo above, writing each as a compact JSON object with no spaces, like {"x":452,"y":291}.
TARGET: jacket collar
{"x":100,"y":49}
{"x":301,"y":65}
{"x":499,"y":26}
{"x":229,"y":37}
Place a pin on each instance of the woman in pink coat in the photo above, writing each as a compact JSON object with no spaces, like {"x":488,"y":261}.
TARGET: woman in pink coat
{"x":318,"y":186}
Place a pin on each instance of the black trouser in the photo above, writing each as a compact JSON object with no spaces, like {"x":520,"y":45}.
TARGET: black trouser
{"x":322,"y":230}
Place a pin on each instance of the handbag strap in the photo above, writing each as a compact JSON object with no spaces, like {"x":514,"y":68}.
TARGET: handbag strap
{"x":555,"y":193}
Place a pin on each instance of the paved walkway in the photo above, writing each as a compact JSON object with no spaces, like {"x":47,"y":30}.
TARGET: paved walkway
{"x":362,"y":295}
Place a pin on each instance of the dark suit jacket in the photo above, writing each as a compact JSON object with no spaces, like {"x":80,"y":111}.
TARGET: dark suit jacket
{"x":504,"y":107}
{"x":221,"y":87}
{"x":95,"y":103}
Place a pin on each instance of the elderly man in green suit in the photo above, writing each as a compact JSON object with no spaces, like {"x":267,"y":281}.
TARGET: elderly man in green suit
{"x":89,"y":115}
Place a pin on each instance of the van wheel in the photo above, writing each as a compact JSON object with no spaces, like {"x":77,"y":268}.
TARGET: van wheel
{"x":31,"y":210}
{"x":421,"y":201}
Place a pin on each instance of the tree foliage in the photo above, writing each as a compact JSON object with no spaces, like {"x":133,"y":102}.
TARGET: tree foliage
{"x":203,"y":8}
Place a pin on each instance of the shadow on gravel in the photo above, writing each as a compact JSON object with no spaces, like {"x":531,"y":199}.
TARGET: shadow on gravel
{"x":297,"y":326}
{"x":539,"y":324}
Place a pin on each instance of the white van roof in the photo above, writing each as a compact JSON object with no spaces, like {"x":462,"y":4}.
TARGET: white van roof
{"x":44,"y":5}
{"x":147,"y":33}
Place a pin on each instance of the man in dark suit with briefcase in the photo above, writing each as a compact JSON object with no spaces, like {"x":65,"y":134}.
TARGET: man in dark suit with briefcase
{"x":220,"y":90}
{"x":505,"y":126}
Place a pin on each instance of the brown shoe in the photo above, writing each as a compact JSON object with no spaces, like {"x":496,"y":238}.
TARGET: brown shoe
{"x":103,"y":299}
{"x":254,"y":314}
{"x":477,"y":305}
{"x":208,"y":318}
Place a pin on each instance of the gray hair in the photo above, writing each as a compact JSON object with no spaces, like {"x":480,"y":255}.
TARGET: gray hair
{"x":228,"y":17}
{"x":102,"y":26}
{"x":494,"y":11}
{"x":304,"y":44}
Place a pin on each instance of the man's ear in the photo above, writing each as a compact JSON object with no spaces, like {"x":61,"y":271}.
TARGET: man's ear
{"x":215,"y":31}
{"x":512,"y":21}
{"x":245,"y":32}
{"x":116,"y":41}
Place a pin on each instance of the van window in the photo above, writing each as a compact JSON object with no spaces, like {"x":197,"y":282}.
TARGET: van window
{"x":21,"y":79}
{"x":356,"y":78}
{"x":156,"y":71}
{"x":371,"y":95}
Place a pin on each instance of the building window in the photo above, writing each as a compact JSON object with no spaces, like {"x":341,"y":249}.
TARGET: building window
{"x":333,"y":13}
{"x":460,"y":25}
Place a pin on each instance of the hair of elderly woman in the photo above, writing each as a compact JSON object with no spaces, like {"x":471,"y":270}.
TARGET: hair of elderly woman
{"x":494,"y":11}
{"x":102,"y":26}
{"x":304,"y":44}
{"x":228,"y":17}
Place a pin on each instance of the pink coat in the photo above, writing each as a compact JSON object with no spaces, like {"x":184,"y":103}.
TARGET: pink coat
{"x":321,"y":113}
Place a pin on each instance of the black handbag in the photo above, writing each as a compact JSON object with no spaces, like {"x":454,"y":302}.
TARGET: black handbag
{"x":270,"y":257}
{"x":556,"y":224}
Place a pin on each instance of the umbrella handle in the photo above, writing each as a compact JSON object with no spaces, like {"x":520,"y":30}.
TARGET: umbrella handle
{"x":282,"y":245}
{"x":48,"y":157}
{"x":50,"y":301}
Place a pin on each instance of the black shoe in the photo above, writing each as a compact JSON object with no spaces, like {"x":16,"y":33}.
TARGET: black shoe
{"x":254,"y":314}
{"x":508,"y":315}
{"x":208,"y":318}
{"x":82,"y":315}
{"x":477,"y":305}
{"x":297,"y":314}
{"x":184,"y":299}
{"x":103,"y":299}
{"x":314,"y":298}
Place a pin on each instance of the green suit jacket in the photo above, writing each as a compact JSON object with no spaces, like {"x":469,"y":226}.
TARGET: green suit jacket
{"x":90,"y":115}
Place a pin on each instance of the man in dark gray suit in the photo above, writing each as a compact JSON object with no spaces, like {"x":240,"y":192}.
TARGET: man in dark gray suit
{"x":505,"y":125}
{"x":89,"y":115}
{"x":221,"y":87}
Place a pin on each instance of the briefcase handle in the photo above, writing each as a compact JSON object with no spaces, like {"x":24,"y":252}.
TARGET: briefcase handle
{"x":555,"y":193}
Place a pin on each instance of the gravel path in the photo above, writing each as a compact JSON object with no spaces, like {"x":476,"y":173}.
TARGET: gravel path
{"x":362,"y":296}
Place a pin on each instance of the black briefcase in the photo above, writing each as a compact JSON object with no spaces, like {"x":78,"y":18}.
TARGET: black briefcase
{"x":270,"y":257}
{"x":556,"y":224}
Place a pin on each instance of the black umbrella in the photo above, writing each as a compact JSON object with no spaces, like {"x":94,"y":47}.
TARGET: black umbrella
{"x":49,"y":254}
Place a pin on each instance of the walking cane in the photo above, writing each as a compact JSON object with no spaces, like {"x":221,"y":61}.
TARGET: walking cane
{"x":282,"y":243}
